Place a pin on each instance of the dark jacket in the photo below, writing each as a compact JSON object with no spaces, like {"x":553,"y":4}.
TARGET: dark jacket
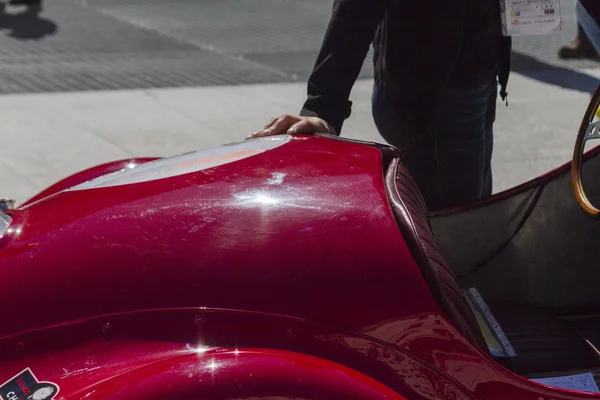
{"x":593,"y":8}
{"x":419,"y":47}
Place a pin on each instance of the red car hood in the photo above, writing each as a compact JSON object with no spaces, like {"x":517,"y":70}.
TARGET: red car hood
{"x":265,"y":225}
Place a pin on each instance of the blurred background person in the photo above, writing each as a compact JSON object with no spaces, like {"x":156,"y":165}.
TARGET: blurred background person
{"x":586,"y":19}
{"x":579,"y":48}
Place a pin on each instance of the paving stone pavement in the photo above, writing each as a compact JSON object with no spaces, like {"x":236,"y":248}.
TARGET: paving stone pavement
{"x":98,"y":44}
{"x":81,"y":45}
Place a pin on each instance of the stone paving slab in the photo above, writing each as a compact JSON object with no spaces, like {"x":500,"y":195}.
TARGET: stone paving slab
{"x":81,"y":45}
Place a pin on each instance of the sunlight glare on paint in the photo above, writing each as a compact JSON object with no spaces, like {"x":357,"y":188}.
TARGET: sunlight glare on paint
{"x":265,"y":199}
{"x":213,"y":365}
{"x":200,"y":349}
{"x":252,"y":197}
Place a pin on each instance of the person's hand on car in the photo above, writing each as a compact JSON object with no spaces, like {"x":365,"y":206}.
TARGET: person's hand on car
{"x":291,"y":124}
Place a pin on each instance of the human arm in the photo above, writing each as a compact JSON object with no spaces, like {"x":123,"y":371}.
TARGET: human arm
{"x":345,"y":45}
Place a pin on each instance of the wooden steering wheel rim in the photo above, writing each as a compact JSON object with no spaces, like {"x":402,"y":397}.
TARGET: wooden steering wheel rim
{"x":577,"y":163}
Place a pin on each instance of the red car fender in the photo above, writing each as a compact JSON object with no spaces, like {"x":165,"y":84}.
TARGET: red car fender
{"x":87,"y":175}
{"x":239,"y":374}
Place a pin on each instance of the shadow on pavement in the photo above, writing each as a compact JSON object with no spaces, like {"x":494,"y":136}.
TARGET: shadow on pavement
{"x":563,"y":77}
{"x":27,"y":24}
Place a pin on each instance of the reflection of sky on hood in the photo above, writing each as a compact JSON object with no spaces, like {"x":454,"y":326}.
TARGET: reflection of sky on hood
{"x":5,"y":221}
{"x":308,"y":205}
{"x":309,"y":195}
{"x":183,"y":164}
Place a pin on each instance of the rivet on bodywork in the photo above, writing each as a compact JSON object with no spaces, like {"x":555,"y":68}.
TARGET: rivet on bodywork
{"x":289,"y":333}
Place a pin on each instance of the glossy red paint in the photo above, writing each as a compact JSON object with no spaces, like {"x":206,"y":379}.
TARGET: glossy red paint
{"x":100,"y":349}
{"x":225,"y":375}
{"x":163,"y":370}
{"x":292,"y":249}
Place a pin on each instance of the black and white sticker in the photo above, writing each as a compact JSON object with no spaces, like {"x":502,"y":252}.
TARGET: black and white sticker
{"x":25,"y":386}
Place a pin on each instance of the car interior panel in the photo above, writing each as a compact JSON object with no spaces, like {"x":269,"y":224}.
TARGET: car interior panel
{"x":538,"y":245}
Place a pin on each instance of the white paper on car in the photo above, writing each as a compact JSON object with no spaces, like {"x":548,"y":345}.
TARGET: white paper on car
{"x":580,"y":382}
{"x":494,"y":336}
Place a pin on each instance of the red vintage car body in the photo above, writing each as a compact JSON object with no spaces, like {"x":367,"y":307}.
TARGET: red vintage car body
{"x":276,"y":273}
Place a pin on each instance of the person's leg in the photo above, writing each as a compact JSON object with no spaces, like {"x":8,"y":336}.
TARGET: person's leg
{"x":393,"y":126}
{"x":580,"y":47}
{"x":588,"y":25}
{"x":464,"y":144}
{"x":451,"y":162}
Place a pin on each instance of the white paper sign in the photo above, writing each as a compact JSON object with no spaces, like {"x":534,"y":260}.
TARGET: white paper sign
{"x":530,"y":17}
{"x":580,"y":382}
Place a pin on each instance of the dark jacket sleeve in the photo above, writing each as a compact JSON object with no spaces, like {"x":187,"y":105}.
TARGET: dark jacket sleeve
{"x":346,"y":43}
{"x":593,"y":8}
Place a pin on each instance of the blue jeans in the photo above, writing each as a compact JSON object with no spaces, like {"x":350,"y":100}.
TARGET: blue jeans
{"x":450,"y":158}
{"x":589,"y":25}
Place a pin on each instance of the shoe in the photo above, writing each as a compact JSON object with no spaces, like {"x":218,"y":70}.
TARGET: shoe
{"x":578,"y":49}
